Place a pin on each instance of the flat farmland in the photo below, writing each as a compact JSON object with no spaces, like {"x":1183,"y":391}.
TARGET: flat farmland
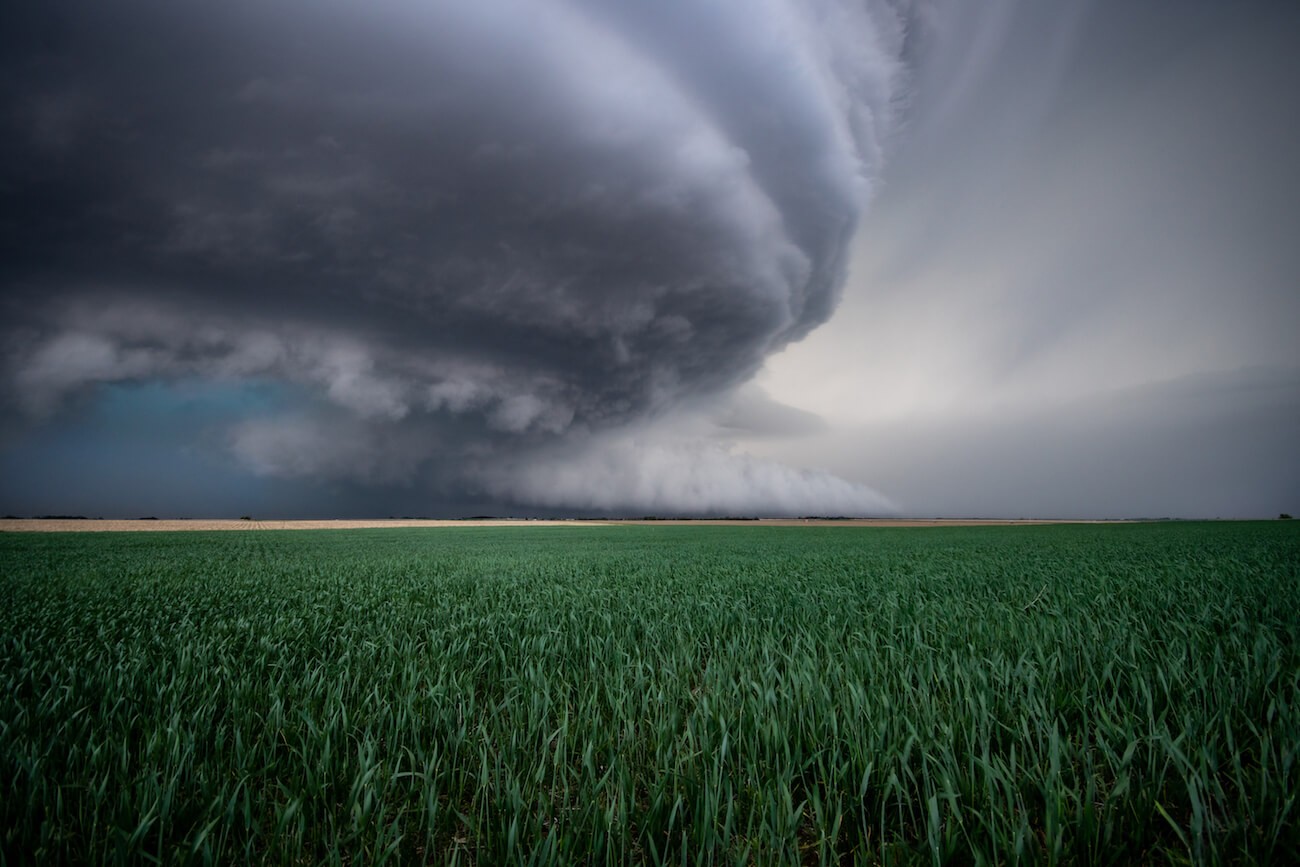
{"x":627,"y":694}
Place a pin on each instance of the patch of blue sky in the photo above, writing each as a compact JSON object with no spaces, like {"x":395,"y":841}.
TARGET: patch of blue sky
{"x":136,"y":449}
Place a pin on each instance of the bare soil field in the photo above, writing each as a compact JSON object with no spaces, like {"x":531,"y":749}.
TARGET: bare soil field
{"x":45,"y":525}
{"x":40,"y":525}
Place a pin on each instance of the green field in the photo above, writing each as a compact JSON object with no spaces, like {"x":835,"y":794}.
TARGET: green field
{"x":687,"y":695}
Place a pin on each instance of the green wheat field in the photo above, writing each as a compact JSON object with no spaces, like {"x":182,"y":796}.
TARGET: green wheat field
{"x":1108,"y":694}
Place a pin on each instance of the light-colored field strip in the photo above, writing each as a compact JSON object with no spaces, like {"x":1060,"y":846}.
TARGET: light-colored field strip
{"x":37,"y":525}
{"x":76,"y":525}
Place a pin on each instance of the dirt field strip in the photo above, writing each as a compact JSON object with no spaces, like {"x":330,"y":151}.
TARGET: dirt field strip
{"x":117,"y":526}
{"x":41,"y":525}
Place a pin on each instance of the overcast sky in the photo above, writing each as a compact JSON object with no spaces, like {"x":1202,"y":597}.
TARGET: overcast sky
{"x":301,"y":259}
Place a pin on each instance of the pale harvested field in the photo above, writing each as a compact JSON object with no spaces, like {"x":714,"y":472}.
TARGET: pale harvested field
{"x":36,"y":525}
{"x":75,"y":525}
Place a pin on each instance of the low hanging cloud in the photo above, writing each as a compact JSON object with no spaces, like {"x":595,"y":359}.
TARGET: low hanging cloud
{"x":622,"y":473}
{"x":292,"y":446}
{"x":458,"y":229}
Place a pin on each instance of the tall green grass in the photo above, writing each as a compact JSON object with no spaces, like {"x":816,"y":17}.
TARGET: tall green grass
{"x":656,"y":695}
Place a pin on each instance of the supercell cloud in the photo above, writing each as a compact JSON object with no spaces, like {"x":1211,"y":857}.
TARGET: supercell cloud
{"x":464,"y":238}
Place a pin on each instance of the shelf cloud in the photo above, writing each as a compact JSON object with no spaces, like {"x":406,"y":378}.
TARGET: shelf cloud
{"x":447,"y":228}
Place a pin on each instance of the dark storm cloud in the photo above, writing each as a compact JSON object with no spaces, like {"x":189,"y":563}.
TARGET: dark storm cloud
{"x":497,"y":221}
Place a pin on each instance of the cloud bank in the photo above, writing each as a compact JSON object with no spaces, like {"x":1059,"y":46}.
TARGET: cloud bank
{"x":457,"y":229}
{"x":666,"y":476}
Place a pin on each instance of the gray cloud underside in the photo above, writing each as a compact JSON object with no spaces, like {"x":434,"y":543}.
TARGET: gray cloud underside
{"x":622,"y":473}
{"x":540,"y":216}
{"x":1200,"y":446}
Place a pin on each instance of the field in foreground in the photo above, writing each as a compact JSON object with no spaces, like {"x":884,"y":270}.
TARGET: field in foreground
{"x":764,"y":695}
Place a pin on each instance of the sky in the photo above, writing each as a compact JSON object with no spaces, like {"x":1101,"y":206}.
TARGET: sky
{"x":698,"y":257}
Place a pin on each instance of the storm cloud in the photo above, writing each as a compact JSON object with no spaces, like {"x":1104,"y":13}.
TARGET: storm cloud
{"x":452,"y":230}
